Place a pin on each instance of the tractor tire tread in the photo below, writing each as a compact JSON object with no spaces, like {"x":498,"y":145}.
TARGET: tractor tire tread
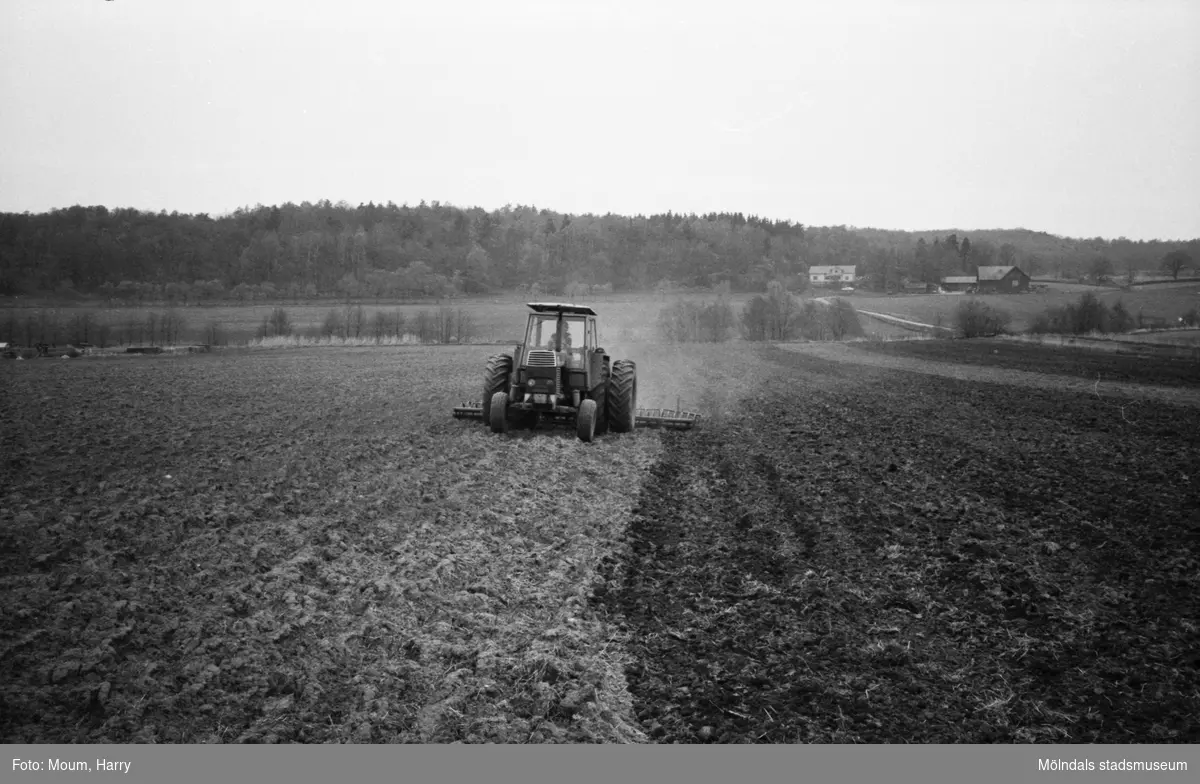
{"x":497,"y":377}
{"x":622,"y":396}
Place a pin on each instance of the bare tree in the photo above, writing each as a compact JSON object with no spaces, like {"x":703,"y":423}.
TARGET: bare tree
{"x":464,"y":325}
{"x":1100,"y":268}
{"x":81,"y":327}
{"x":172,"y":324}
{"x":276,"y":324}
{"x":333,"y":325}
{"x":424,"y":327}
{"x":46,"y":326}
{"x":379,"y":325}
{"x":1175,"y":262}
{"x":29,"y":328}
{"x":353,"y":320}
{"x":102,"y":332}
{"x":152,"y":327}
{"x":687,"y":321}
{"x":444,"y":324}
{"x":773,"y":317}
{"x":214,"y":334}
{"x":1130,"y":271}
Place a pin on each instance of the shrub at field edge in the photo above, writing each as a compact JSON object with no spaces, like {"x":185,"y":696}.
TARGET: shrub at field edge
{"x":976,"y":319}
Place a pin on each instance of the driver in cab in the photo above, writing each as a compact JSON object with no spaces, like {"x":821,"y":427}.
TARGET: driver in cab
{"x":564,"y":353}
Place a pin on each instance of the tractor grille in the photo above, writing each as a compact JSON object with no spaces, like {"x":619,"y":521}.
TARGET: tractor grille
{"x":540,"y":358}
{"x":543,"y":373}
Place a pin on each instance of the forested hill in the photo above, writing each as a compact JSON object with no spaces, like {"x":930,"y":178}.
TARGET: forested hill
{"x":434,"y":249}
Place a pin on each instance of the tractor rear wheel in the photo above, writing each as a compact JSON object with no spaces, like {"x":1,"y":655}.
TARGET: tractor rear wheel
{"x":496,"y":378}
{"x":498,"y":412}
{"x":600,"y":395}
{"x":622,"y":396}
{"x":585,"y":420}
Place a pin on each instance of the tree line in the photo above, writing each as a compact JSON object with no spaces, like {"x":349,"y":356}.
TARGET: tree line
{"x":307,"y":250}
{"x":83,"y":327}
{"x":774,"y":315}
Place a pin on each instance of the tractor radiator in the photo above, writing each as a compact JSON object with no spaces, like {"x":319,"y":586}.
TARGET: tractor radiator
{"x":544,"y":358}
{"x":540,"y":357}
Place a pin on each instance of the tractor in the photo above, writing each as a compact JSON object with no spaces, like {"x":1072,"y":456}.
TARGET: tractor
{"x":561,"y":374}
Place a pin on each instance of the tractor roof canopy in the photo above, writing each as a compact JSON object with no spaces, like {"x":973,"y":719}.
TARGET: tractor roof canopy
{"x":561,"y":307}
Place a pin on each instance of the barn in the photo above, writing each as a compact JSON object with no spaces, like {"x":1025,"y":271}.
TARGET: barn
{"x":1002,"y":280}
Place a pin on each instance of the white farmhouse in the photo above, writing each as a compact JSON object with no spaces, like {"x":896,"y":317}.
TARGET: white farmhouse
{"x":829,"y":276}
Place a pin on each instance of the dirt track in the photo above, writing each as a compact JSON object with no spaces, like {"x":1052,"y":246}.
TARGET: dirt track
{"x":848,"y":353}
{"x":866,"y":555}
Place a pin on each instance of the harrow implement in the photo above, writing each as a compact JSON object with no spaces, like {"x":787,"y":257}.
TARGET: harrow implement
{"x":470,"y":410}
{"x":672,"y":418}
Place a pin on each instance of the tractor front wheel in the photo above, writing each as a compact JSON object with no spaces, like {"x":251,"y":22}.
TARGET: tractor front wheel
{"x":585,"y":421}
{"x":622,"y":396}
{"x":498,"y":412}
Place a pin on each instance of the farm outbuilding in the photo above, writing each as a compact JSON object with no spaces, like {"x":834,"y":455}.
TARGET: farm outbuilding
{"x":1001,"y":280}
{"x":958,"y":282}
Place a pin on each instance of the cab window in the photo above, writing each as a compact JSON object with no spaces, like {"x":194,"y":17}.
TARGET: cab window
{"x":545,"y":327}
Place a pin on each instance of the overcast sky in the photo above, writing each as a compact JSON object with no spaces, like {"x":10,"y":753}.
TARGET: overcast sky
{"x":1080,"y":119}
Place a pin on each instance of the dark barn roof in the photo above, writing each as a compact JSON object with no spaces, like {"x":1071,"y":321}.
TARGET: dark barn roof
{"x":996,"y":273}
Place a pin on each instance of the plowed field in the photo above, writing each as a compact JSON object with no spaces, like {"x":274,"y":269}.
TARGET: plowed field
{"x":302,"y":546}
{"x":865,"y":554}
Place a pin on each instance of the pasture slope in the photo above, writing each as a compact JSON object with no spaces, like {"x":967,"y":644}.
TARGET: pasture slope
{"x":302,"y":546}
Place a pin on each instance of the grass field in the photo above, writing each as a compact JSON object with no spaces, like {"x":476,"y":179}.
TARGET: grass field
{"x":1183,"y":337}
{"x":302,"y":546}
{"x":1169,"y":302}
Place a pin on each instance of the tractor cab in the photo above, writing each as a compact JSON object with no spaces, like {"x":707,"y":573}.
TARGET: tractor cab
{"x":572,"y":337}
{"x":559,"y":364}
